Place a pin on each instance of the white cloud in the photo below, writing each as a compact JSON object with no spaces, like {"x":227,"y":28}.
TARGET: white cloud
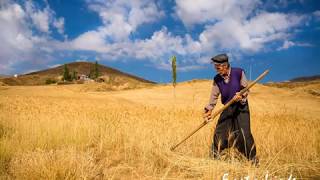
{"x":40,"y":18}
{"x":227,"y":34}
{"x":270,"y":23}
{"x":59,"y":24}
{"x":287,"y":44}
{"x":15,"y":37}
{"x":202,"y":11}
{"x":248,"y":35}
{"x":180,"y":68}
{"x":44,"y":18}
{"x":53,"y":66}
{"x":316,"y":15}
{"x":121,"y":18}
{"x":81,"y":60}
{"x":233,"y":26}
{"x":91,"y":40}
{"x":19,"y":43}
{"x":161,"y":43}
{"x":190,"y":68}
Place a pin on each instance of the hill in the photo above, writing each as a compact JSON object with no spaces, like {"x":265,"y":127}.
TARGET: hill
{"x":3,"y":76}
{"x":307,"y":78}
{"x":108,"y":74}
{"x":309,"y":85}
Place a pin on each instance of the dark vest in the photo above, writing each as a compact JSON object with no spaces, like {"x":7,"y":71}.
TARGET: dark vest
{"x":228,"y":90}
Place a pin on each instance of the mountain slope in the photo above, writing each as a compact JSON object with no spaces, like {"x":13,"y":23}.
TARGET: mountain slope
{"x":306,"y":78}
{"x":111,"y":75}
{"x":310,"y":85}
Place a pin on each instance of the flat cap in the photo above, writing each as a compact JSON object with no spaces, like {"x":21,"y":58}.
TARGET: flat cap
{"x":221,"y":58}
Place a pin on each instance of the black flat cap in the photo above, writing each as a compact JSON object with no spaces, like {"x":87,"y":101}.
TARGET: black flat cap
{"x":221,"y":58}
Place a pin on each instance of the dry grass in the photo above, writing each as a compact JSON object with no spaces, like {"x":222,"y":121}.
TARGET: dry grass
{"x":311,"y":87}
{"x":61,"y":132}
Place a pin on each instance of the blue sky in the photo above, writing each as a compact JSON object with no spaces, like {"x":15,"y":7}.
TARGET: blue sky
{"x":140,"y":36}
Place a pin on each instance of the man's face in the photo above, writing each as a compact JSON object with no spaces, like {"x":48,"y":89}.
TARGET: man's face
{"x":221,"y":68}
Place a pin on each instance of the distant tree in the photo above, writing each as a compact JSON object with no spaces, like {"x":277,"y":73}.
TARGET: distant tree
{"x":96,"y":70}
{"x":66,"y":74}
{"x":74,"y":75}
{"x":94,"y":73}
{"x":50,"y":81}
{"x":91,"y":74}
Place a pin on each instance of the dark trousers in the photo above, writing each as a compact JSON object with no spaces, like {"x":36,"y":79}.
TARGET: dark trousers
{"x":233,"y":130}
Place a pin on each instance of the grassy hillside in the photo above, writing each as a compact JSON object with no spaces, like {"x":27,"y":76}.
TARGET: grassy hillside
{"x":307,"y":78}
{"x":309,"y":86}
{"x":62,"y":132}
{"x":111,"y":75}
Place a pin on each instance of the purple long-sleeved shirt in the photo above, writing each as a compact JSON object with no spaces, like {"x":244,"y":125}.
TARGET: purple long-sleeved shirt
{"x":215,"y":92}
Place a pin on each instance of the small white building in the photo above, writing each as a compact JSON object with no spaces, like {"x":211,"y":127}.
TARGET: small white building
{"x":16,"y":75}
{"x":84,"y":77}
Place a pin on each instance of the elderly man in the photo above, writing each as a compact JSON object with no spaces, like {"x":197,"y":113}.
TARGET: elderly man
{"x":233,"y":126}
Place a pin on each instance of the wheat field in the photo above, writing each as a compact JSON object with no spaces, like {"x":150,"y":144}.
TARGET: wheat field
{"x":71,"y":132}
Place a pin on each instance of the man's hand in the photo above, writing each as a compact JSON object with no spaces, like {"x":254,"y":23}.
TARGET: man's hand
{"x":207,"y":115}
{"x":237,"y":97}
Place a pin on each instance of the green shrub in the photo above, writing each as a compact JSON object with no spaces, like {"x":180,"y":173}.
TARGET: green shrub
{"x":50,"y":81}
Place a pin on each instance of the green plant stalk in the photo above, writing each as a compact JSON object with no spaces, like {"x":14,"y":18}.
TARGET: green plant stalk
{"x":174,"y":71}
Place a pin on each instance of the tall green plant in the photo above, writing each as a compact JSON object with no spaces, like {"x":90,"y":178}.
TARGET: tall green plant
{"x":74,"y":75}
{"x":96,"y":70}
{"x":174,"y":82}
{"x":174,"y":71}
{"x":66,"y":74}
